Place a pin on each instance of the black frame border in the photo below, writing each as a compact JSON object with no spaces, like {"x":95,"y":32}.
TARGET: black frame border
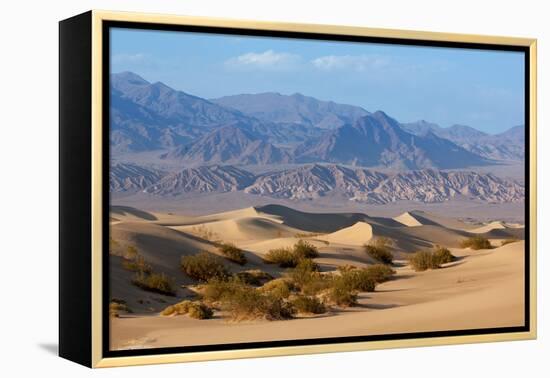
{"x":106,"y":27}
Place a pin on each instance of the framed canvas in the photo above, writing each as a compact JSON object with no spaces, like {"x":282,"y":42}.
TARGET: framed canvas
{"x":235,"y":189}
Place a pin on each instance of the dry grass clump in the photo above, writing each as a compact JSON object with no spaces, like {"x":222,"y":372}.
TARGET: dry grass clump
{"x":424,"y":260}
{"x":155,"y":282}
{"x":508,"y":241}
{"x":232,"y":253}
{"x":137,"y":264}
{"x":244,"y":302}
{"x":203,"y":266}
{"x":194,"y":309}
{"x":280,"y":288}
{"x":118,"y":307}
{"x":254,"y":277}
{"x":284,"y":257}
{"x":290,"y":257}
{"x":308,"y":305}
{"x":379,"y":249}
{"x":476,"y":242}
{"x":204,"y":232}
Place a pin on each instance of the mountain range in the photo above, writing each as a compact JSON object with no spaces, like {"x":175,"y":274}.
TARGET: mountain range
{"x":271,"y":129}
{"x":312,"y":181}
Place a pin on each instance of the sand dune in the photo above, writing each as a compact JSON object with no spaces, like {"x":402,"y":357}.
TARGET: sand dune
{"x":464,"y":294}
{"x":358,"y":234}
{"x":408,"y":220}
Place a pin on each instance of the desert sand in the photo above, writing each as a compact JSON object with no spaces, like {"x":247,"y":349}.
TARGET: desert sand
{"x":481,"y":289}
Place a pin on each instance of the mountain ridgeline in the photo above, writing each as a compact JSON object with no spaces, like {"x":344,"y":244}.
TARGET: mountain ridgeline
{"x":313,"y":181}
{"x":271,"y":128}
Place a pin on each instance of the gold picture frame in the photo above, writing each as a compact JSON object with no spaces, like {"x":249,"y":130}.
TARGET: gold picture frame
{"x":90,"y":28}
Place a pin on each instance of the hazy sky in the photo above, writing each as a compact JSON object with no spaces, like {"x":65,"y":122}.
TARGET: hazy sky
{"x":483,"y":89}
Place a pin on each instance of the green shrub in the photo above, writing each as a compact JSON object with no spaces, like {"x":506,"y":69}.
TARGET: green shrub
{"x":308,"y":305}
{"x":155,"y":282}
{"x":203,"y":266}
{"x":305,"y":250}
{"x":379,"y":249}
{"x":341,"y":293}
{"x":196,"y":310}
{"x":232,"y":253}
{"x":442,"y":255}
{"x":254,"y":277}
{"x":476,"y":242}
{"x":284,"y":257}
{"x":138,"y":264}
{"x":279,"y":288}
{"x":380,"y":272}
{"x":508,"y":241}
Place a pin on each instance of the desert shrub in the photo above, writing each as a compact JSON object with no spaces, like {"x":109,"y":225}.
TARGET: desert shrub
{"x":203,"y":266}
{"x":305,"y":250}
{"x":379,"y":249}
{"x":305,"y":276}
{"x":117,"y":307}
{"x":196,"y":310}
{"x":308,"y":305}
{"x":130,"y":253}
{"x":245,"y":302}
{"x":138,"y":264}
{"x":380,"y":272}
{"x":357,"y":280}
{"x":442,"y":255}
{"x":232,"y":253}
{"x":346,"y":268}
{"x":254,"y":277}
{"x":113,"y":244}
{"x":476,"y":242}
{"x":284,"y":257}
{"x":204,"y":232}
{"x":155,"y":282}
{"x":508,"y":241}
{"x":422,"y":260}
{"x":341,"y":293}
{"x":279,"y":288}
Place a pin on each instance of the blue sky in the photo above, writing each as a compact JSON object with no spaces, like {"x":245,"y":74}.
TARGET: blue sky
{"x":482,"y":89}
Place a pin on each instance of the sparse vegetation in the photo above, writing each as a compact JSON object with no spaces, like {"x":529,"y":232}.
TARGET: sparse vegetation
{"x":203,"y":266}
{"x":308,"y":305}
{"x":138,"y":264}
{"x":118,"y":307}
{"x":113,"y":244}
{"x":357,"y":280}
{"x":341,"y":293}
{"x":476,"y":242}
{"x":193,"y":309}
{"x":279,"y":288}
{"x":290,"y":257}
{"x":130,"y":253}
{"x":254,"y":277}
{"x":305,"y":250}
{"x":232,"y":253}
{"x":155,"y":282}
{"x":424,"y":260}
{"x":245,"y":302}
{"x":379,"y":249}
{"x":204,"y":232}
{"x":508,"y":241}
{"x":284,"y":257}
{"x":380,"y":272}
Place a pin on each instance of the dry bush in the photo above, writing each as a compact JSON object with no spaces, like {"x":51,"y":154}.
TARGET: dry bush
{"x":117,"y":307}
{"x":379,"y":249}
{"x":442,"y":255}
{"x":284,"y":257}
{"x":356,"y":280}
{"x":155,"y":282}
{"x":138,"y":264}
{"x":279,"y":288}
{"x":232,"y":253}
{"x":203,"y":266}
{"x":476,"y":242}
{"x":308,"y":305}
{"x":193,"y":309}
{"x":254,"y":277}
{"x":380,"y":272}
{"x":341,"y":293}
{"x":424,"y":260}
{"x":305,"y":250}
